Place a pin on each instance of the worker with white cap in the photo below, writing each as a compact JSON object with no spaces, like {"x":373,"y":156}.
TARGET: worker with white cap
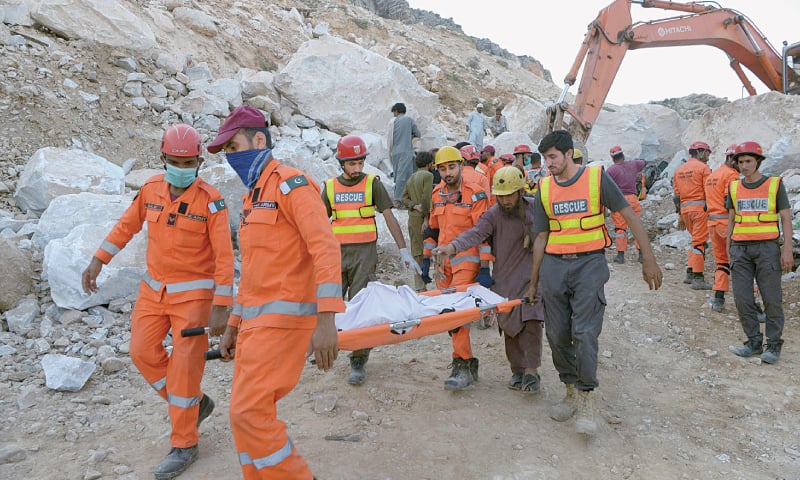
{"x":476,"y":126}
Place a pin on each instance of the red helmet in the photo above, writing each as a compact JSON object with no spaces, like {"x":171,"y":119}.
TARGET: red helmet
{"x":522,"y":148}
{"x":730,"y":150}
{"x":181,"y":141}
{"x":700,"y":146}
{"x":351,"y":147}
{"x":748,"y":148}
{"x":507,"y":158}
{"x":469,"y":152}
{"x":615,"y":150}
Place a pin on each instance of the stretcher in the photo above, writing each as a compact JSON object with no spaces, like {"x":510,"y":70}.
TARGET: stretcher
{"x":402,"y":331}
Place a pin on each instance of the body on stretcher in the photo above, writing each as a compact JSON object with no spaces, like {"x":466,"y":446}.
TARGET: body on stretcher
{"x":387,"y":315}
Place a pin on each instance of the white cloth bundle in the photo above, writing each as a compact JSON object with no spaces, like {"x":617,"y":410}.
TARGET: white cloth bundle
{"x":378,"y":303}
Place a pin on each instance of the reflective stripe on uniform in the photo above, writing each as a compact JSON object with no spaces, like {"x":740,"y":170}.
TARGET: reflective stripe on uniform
{"x":283,"y":307}
{"x":109,"y":247}
{"x":692,"y":202}
{"x":270,"y":460}
{"x":178,"y":287}
{"x":466,"y":258}
{"x":327,"y":290}
{"x":224,"y":290}
{"x":182,"y":402}
{"x":717,"y":217}
{"x":237,"y":309}
{"x":485,"y":249}
{"x":160,"y":384}
{"x":429,"y":245}
{"x":759,"y":223}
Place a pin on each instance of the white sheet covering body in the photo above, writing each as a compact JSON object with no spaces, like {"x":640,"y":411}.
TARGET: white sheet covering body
{"x":378,"y":303}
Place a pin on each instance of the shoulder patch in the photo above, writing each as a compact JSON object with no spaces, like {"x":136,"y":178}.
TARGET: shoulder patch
{"x":291,"y":183}
{"x":217,"y":205}
{"x":154,"y":179}
{"x":479,"y":196}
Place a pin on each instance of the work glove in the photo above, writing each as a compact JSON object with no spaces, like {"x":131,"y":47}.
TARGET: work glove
{"x":409,"y":261}
{"x":485,"y":278}
{"x":426,"y":270}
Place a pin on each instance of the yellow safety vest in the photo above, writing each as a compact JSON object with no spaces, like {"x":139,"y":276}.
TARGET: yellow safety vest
{"x":352,"y":210}
{"x":755,"y":210}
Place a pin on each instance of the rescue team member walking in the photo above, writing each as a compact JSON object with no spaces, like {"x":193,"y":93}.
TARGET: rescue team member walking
{"x":351,"y":201}
{"x":509,"y":223}
{"x":690,"y":202}
{"x":289,"y":291}
{"x":569,"y":245}
{"x":189,"y":284}
{"x":457,"y":206}
{"x":716,"y":192}
{"x":626,"y":174}
{"x":756,"y":204}
{"x":417,"y":199}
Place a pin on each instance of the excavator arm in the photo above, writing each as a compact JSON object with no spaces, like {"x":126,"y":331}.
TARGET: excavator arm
{"x":612,"y":34}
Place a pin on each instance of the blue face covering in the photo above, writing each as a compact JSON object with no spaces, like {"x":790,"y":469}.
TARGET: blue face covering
{"x":248,"y":164}
{"x":527,"y":161}
{"x":180,"y":177}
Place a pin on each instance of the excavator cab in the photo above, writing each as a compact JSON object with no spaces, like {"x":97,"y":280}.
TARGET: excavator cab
{"x":791,"y":68}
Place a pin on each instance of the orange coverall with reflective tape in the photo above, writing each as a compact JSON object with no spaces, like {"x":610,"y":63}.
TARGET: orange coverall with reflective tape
{"x":189,"y":268}
{"x":689,"y":184}
{"x":716,"y":190}
{"x":291,"y":269}
{"x":452,"y":219}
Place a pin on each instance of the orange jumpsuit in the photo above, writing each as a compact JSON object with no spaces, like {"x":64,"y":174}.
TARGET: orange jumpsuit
{"x":716,"y":190}
{"x":689,"y":183}
{"x":473,"y":176}
{"x":291,"y":269}
{"x":189,"y":268}
{"x":453,"y":216}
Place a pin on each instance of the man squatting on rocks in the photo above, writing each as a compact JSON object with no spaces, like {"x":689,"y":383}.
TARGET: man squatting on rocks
{"x":509,"y":223}
{"x":351,"y":200}
{"x":188,"y":284}
{"x":570,"y":241}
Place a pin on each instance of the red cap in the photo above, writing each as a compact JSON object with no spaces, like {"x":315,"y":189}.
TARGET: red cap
{"x":522,"y":148}
{"x":469,"y":152}
{"x":241,"y":117}
{"x":615,"y":150}
{"x":507,"y":158}
{"x":700,"y":146}
{"x":488,"y":148}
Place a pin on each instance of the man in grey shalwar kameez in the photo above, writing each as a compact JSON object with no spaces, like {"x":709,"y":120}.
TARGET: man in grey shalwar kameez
{"x":401,"y":151}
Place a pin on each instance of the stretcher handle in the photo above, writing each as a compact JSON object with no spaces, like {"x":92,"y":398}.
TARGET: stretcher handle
{"x":212,"y":355}
{"x":193,"y":332}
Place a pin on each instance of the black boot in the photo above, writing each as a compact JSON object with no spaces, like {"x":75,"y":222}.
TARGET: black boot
{"x":473,"y":368}
{"x":752,"y":346}
{"x":176,"y":462}
{"x":357,"y":373}
{"x":620,"y":258}
{"x":460,"y":378}
{"x":773,"y":351}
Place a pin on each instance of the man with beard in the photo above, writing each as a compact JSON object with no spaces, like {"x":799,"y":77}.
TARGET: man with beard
{"x":509,"y":223}
{"x":351,"y":200}
{"x":457,"y":206}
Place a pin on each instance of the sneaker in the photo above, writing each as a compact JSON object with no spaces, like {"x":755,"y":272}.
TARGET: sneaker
{"x":357,"y":373}
{"x":516,"y":381}
{"x":206,"y":407}
{"x":772,"y":354}
{"x":717,"y":304}
{"x":460,"y":378}
{"x":620,"y":258}
{"x":750,"y":348}
{"x":176,"y":462}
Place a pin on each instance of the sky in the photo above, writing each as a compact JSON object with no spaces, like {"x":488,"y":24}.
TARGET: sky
{"x":552,"y":32}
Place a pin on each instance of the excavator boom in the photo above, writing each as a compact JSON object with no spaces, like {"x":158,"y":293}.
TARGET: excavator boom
{"x":612,"y":34}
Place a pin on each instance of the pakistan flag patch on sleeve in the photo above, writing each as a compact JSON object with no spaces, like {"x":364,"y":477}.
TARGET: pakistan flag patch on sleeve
{"x":292,"y":183}
{"x":217,"y":205}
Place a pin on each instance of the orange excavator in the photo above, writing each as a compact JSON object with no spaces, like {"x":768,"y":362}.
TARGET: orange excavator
{"x":612,"y":34}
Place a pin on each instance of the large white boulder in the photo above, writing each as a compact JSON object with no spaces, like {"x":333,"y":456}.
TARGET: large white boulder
{"x":68,"y":211}
{"x":106,"y":22}
{"x":328,"y":98}
{"x":526,"y":115}
{"x":770,"y":119}
{"x":66,"y":258}
{"x":52,"y":172}
{"x":506,"y":141}
{"x":225,"y":179}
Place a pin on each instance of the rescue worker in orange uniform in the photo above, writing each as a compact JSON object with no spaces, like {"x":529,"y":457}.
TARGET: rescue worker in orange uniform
{"x":189,"y":284}
{"x":569,"y":246}
{"x":489,"y":162}
{"x":471,"y":160}
{"x":457,"y":206}
{"x":289,"y":291}
{"x":626,"y":174}
{"x":757,"y":203}
{"x":351,"y":201}
{"x":690,"y":202}
{"x":716,"y":192}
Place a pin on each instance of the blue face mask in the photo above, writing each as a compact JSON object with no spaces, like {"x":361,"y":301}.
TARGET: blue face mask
{"x":180,"y":177}
{"x":526,"y":161}
{"x":248,"y":164}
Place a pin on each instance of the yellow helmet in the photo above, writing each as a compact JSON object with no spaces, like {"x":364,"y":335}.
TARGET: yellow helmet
{"x":577,"y":154}
{"x":507,"y":180}
{"x":446,"y":155}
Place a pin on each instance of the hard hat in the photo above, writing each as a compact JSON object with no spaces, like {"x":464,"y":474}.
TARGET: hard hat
{"x":181,"y":141}
{"x":507,"y":180}
{"x":522,"y":148}
{"x":507,"y":158}
{"x":577,"y":154}
{"x":488,"y":148}
{"x":748,"y":148}
{"x":700,"y":146}
{"x":469,"y":152}
{"x":615,"y":150}
{"x":351,"y":147}
{"x":730,"y":150}
{"x":446,"y":155}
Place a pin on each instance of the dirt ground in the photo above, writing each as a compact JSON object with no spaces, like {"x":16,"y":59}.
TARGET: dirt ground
{"x":673,"y":403}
